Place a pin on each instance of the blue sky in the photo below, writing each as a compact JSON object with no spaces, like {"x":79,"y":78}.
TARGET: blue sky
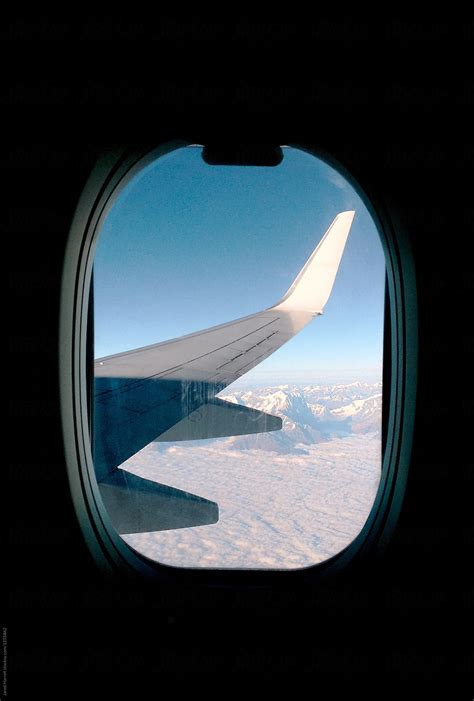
{"x":187,"y":246}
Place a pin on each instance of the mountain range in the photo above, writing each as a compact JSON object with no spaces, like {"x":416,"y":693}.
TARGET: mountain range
{"x":287,"y":499}
{"x":311,"y":414}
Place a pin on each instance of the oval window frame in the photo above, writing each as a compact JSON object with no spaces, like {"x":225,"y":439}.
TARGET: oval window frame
{"x":112,"y":172}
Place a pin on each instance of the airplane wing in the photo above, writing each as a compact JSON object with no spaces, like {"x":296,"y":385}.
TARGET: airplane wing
{"x":167,"y":391}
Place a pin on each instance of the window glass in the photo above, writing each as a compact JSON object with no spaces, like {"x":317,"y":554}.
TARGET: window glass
{"x":232,"y":448}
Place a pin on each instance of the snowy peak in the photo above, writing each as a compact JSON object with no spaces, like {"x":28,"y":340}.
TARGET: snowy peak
{"x":360,"y":406}
{"x":311,"y":413}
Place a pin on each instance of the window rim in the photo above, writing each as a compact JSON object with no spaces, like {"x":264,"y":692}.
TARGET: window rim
{"x":112,"y":172}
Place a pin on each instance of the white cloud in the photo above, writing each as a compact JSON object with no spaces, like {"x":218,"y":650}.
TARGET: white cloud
{"x":282,"y":511}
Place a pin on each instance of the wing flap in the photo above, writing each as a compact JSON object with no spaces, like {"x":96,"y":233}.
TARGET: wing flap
{"x":218,"y":419}
{"x":137,"y":505}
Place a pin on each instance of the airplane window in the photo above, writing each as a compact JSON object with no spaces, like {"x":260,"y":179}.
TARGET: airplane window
{"x":236,"y":414}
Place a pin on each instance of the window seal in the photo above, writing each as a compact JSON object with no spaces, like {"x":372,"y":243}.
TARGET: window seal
{"x":111,"y":173}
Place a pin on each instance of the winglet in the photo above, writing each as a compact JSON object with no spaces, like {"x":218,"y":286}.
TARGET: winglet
{"x":312,"y":287}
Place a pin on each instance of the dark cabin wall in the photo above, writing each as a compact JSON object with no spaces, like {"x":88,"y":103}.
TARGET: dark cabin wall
{"x":397,"y":123}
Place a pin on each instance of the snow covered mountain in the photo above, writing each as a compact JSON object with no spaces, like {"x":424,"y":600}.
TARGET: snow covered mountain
{"x":311,"y":414}
{"x":287,"y":499}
